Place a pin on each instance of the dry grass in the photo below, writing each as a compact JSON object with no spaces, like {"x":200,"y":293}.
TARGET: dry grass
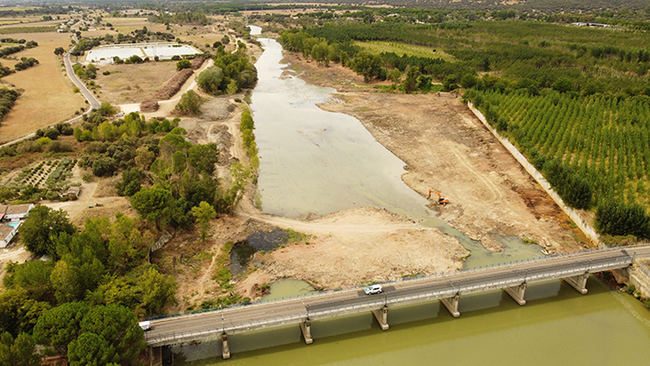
{"x":48,"y":97}
{"x":133,"y":83}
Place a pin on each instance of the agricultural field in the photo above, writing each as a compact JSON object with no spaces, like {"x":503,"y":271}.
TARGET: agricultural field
{"x":399,"y":48}
{"x":53,"y":175}
{"x":41,"y":103}
{"x":604,"y":140}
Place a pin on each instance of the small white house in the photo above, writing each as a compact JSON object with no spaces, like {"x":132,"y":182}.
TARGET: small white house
{"x":17,"y":212}
{"x":7,"y":233}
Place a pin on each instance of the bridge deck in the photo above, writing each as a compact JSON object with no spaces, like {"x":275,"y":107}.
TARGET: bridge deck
{"x":209,"y":325}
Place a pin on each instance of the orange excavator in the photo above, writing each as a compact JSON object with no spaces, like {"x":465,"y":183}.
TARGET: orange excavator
{"x":441,"y":200}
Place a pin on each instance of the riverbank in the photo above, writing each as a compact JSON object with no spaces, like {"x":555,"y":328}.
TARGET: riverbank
{"x":448,"y":150}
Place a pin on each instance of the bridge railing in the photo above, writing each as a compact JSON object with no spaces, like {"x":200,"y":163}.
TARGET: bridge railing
{"x":415,"y":278}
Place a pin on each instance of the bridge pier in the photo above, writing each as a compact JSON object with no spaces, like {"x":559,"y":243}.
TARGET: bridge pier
{"x":382,"y":317}
{"x":517,"y":293}
{"x":451,"y":304}
{"x":578,"y":282}
{"x":305,"y":328}
{"x":225,"y":348}
{"x":155,"y":356}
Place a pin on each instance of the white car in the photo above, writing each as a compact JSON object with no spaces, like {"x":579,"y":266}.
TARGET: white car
{"x":145,"y":325}
{"x":372,"y":290}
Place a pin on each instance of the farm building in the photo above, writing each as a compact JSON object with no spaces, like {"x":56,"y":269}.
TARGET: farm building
{"x":15,"y":212}
{"x":72,"y":193}
{"x":7,"y":232}
{"x":162,"y":50}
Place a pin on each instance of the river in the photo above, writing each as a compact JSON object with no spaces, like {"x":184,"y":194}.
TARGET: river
{"x":314,"y":161}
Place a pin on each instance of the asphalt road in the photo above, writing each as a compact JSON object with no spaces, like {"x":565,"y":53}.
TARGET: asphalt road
{"x":94,"y":103}
{"x":257,"y":316}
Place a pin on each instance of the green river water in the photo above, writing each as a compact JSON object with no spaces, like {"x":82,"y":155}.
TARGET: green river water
{"x":314,"y":161}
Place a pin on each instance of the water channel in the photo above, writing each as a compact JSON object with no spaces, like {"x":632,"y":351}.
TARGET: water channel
{"x":314,"y":161}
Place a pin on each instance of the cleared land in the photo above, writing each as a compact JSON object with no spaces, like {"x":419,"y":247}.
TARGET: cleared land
{"x":133,"y":83}
{"x":446,"y":148}
{"x":400,"y":49}
{"x":48,"y":96}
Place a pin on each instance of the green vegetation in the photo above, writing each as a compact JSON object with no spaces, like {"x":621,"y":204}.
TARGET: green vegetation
{"x":189,"y":17}
{"x":574,"y":100}
{"x":246,"y":127}
{"x":399,"y":48}
{"x":7,"y":100}
{"x":203,"y":213}
{"x":14,"y":30}
{"x":231,"y":73}
{"x":25,"y":63}
{"x":190,"y":103}
{"x":84,"y":300}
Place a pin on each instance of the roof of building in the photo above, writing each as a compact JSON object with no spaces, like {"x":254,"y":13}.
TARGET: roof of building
{"x":73,"y":190}
{"x":18,"y":209}
{"x":5,"y":230}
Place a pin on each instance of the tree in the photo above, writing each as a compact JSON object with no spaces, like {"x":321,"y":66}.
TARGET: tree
{"x":130,"y":183}
{"x":59,"y":51}
{"x":190,"y":103}
{"x":91,"y":349}
{"x":41,"y":227}
{"x":119,"y":327}
{"x":203,"y":213}
{"x":18,"y":352}
{"x":19,"y":312}
{"x":33,"y":277}
{"x":183,"y":64}
{"x":225,"y":39}
{"x":153,"y":204}
{"x":104,"y":166}
{"x":617,"y":218}
{"x":210,"y":79}
{"x":203,"y":157}
{"x":58,"y":326}
{"x":144,"y":157}
{"x":412,"y":75}
{"x":367,"y":65}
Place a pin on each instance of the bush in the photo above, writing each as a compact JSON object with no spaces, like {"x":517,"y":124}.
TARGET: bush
{"x":190,"y":103}
{"x":183,"y":64}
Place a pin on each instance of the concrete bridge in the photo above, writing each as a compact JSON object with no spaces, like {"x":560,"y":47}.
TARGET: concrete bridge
{"x":512,"y":278}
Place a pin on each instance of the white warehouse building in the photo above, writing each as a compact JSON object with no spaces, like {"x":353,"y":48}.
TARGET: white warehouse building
{"x":164,"y":51}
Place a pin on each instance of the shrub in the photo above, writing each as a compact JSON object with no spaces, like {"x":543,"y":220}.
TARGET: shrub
{"x":183,"y":64}
{"x":190,"y":103}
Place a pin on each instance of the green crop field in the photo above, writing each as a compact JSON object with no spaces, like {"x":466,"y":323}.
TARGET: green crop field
{"x":604,"y":140}
{"x":400,"y":48}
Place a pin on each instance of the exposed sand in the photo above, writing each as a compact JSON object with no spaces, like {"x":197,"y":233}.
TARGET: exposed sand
{"x":448,"y":150}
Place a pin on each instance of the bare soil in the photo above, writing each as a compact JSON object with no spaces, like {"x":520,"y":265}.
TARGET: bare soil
{"x":133,"y":83}
{"x":448,"y":150}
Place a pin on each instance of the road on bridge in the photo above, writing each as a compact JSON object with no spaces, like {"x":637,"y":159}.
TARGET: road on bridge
{"x":261,"y":315}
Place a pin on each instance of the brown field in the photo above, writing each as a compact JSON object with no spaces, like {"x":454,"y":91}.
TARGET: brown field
{"x":133,"y":83}
{"x":48,"y":97}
